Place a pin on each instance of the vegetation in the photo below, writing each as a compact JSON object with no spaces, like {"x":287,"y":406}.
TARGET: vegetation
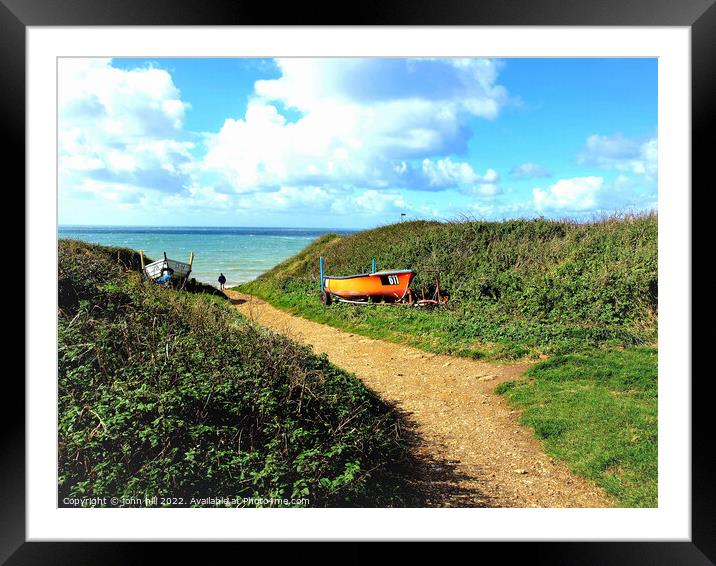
{"x":598,"y":412}
{"x":583,"y":295}
{"x":173,"y":394}
{"x":517,"y":288}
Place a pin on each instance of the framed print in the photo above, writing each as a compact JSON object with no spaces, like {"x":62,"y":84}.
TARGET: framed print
{"x":419,"y":276}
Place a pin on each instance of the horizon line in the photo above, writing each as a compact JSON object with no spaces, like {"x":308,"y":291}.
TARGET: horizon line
{"x":198,"y":226}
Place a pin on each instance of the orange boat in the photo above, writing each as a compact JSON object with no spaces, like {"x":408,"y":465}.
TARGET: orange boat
{"x":388,"y":285}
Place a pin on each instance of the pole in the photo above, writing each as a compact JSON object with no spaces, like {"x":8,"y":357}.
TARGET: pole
{"x":141,"y":258}
{"x":320,"y":263}
{"x":373,"y":265}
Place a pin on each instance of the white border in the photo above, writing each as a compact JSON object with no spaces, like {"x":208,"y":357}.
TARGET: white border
{"x":670,"y":521}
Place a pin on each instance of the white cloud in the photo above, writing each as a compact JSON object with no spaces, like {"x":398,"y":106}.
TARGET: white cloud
{"x":445,"y":173}
{"x":619,"y":153}
{"x":467,"y":84}
{"x":135,"y":103}
{"x":529,"y":171}
{"x":576,"y":194}
{"x":120,"y":126}
{"x":301,"y":198}
{"x":361,"y":131}
{"x":486,"y":189}
{"x":360,"y":122}
{"x":120,"y":194}
{"x":589,"y":195}
{"x":623,"y":182}
{"x":288,"y":200}
{"x":649,"y":158}
{"x":370,"y":202}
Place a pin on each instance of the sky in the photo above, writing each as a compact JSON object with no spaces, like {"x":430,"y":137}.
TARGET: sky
{"x":353,"y":143}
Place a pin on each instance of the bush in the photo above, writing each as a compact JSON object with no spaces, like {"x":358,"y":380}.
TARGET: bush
{"x":516,"y":287}
{"x":174,"y":394}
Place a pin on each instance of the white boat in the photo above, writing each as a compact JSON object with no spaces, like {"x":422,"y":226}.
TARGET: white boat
{"x":177,"y":270}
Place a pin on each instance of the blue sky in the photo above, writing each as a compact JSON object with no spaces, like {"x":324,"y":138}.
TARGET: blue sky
{"x":353,"y":143}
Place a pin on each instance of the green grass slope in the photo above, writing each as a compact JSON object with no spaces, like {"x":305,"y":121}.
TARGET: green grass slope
{"x":583,"y":294}
{"x":516,"y":288}
{"x":174,"y":394}
{"x":598,"y":412}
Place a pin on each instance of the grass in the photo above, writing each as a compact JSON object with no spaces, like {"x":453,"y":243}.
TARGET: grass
{"x":517,"y":288}
{"x":173,"y":393}
{"x":583,"y":294}
{"x":157,"y":387}
{"x":597,"y":411}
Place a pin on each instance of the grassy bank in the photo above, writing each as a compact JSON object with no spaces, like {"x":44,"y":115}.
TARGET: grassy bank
{"x":598,"y":412}
{"x":517,"y":288}
{"x":174,"y":394}
{"x":585,"y":295}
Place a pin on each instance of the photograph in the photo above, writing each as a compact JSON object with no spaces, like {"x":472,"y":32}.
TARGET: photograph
{"x":357,"y":282}
{"x":411,"y":273}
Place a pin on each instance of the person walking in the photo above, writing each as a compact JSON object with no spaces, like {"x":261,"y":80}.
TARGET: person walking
{"x":222,"y":281}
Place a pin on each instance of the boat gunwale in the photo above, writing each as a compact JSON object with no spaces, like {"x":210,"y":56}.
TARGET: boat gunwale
{"x":378,"y":273}
{"x":161,"y":261}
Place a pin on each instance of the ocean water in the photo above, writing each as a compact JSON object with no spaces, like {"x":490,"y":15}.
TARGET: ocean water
{"x":241,"y":254}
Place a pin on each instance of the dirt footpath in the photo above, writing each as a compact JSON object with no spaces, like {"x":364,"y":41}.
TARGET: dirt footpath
{"x":474,"y":451}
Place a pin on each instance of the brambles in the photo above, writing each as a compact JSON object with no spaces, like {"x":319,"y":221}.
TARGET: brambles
{"x":173,"y":393}
{"x":517,"y":288}
{"x":586,"y":295}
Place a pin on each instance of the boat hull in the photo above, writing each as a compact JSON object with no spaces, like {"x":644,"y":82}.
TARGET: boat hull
{"x":383,"y":285}
{"x":156,"y":269}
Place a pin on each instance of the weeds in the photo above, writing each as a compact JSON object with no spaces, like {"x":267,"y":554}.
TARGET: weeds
{"x":173,"y":393}
{"x":517,"y":288}
{"x":584,"y":294}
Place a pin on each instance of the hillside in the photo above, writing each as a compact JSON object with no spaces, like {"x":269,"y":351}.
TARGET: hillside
{"x":175,"y":394}
{"x":584,"y":296}
{"x":522,"y":287}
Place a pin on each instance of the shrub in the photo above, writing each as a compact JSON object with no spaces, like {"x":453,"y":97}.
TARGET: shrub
{"x":169,"y":393}
{"x":529,"y":285}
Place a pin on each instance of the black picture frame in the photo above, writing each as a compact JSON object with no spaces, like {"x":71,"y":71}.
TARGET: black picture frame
{"x":17,"y":15}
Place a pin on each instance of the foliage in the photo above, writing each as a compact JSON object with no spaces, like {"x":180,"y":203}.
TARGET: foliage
{"x":519,"y":287}
{"x":173,"y":394}
{"x":585,"y":294}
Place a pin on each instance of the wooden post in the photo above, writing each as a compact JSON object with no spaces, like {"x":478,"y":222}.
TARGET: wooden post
{"x":186,"y":277}
{"x":141,"y":258}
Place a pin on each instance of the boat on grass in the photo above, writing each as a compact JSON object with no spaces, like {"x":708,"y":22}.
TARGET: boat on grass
{"x":390,"y":286}
{"x":167,"y":271}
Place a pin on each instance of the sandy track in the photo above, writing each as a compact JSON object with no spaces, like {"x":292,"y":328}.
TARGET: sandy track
{"x":473,"y":450}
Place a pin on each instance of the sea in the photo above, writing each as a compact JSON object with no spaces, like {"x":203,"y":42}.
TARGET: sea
{"x":241,"y":254}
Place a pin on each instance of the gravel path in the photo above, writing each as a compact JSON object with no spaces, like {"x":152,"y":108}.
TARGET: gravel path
{"x":472,"y":448}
